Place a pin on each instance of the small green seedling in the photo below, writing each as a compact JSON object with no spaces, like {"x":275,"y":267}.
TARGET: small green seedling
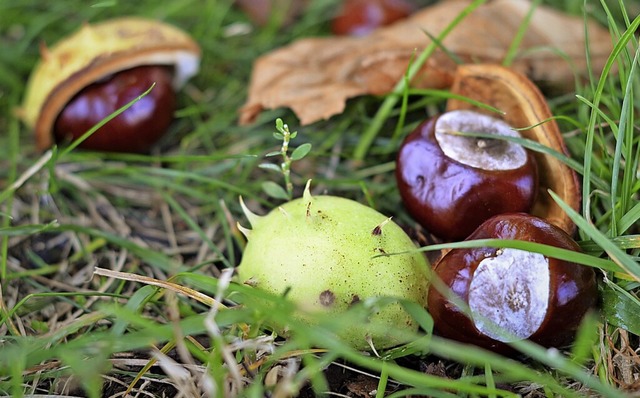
{"x":285,"y":135}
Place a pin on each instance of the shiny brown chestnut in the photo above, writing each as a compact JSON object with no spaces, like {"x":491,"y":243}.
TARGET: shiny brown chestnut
{"x":361,"y":17}
{"x":451,"y":183}
{"x":527,"y":295}
{"x":98,"y":69}
{"x":263,"y":11}
{"x":138,"y":127}
{"x":524,"y":107}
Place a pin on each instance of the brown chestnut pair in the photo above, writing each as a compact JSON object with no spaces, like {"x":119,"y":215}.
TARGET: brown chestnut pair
{"x":459,"y":186}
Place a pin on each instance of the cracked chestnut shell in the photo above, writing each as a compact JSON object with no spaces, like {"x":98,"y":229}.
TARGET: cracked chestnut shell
{"x":451,"y":184}
{"x":92,"y":57}
{"x":527,"y":295}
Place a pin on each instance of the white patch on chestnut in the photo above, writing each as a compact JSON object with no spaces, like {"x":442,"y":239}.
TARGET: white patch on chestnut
{"x":509,"y":294}
{"x":478,"y":152}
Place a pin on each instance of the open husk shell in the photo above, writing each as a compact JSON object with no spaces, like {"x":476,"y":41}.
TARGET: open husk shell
{"x":523,"y":105}
{"x":94,"y":52}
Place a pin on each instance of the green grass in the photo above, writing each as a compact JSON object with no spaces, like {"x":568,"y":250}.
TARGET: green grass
{"x":171,"y":215}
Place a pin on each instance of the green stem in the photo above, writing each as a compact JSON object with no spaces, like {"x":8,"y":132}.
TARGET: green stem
{"x":286,"y":160}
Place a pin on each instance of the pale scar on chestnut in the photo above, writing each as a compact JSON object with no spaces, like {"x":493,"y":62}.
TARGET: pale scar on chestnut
{"x":488,"y":154}
{"x":510,"y":291}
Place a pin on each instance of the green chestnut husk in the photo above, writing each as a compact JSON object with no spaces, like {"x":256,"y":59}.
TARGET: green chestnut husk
{"x":324,"y":253}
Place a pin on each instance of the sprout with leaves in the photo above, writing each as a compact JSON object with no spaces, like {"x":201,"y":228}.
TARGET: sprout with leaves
{"x":271,"y":188}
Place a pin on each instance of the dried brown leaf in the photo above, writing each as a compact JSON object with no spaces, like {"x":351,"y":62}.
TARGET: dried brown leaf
{"x":315,"y":76}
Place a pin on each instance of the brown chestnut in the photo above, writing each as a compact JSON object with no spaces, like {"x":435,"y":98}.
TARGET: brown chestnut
{"x":361,"y":17}
{"x":525,"y":294}
{"x":523,"y":106}
{"x":139,"y":126}
{"x":263,"y":11}
{"x":98,"y":69}
{"x":450,"y":183}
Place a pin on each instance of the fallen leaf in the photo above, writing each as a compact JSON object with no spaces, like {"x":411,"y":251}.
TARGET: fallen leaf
{"x":315,"y":76}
